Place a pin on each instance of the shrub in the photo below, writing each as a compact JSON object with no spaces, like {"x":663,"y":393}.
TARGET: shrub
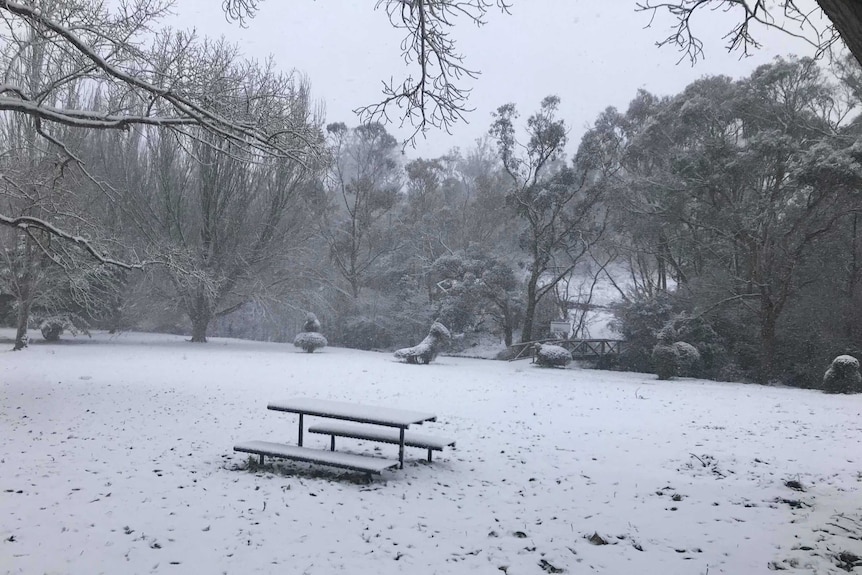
{"x":696,"y":333}
{"x":54,"y":326}
{"x":688,"y":358}
{"x":678,"y":358}
{"x":548,"y":355}
{"x":311,"y":323}
{"x":309,"y":341}
{"x":843,"y":376}
{"x":428,"y":348}
{"x":638,"y":321}
{"x":665,"y":360}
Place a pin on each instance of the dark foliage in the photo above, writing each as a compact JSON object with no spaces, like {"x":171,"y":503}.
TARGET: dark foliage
{"x":843,"y":376}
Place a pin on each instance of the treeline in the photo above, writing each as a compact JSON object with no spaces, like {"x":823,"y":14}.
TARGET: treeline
{"x":725,"y":216}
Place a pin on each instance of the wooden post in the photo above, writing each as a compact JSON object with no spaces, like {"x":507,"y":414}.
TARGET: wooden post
{"x":300,"y":430}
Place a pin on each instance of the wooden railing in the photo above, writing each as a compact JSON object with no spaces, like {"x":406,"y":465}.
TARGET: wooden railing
{"x":580,"y":348}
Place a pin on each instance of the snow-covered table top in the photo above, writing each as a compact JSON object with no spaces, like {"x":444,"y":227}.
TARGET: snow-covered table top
{"x":352,"y":411}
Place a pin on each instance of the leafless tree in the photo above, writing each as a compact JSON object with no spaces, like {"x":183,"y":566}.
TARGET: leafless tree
{"x":436,"y":94}
{"x":793,"y":17}
{"x":223,"y":218}
{"x":52,"y":48}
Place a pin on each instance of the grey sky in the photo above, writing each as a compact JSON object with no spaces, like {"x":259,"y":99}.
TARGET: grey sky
{"x":591,"y":53}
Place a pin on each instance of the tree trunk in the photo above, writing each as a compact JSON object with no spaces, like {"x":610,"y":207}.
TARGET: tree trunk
{"x":200,"y":316}
{"x":530,"y":311}
{"x":508,"y":324}
{"x":852,"y":329}
{"x":23,"y":320}
{"x":661,"y":262}
{"x":846,"y":15}
{"x":199,"y":329}
{"x":767,"y":347}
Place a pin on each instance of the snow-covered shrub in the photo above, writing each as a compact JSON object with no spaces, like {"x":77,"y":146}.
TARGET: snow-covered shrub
{"x":688,"y":358}
{"x":677,"y":358}
{"x":310,"y":339}
{"x":54,"y":326}
{"x":428,"y":348}
{"x":638,"y":320}
{"x":548,"y":355}
{"x":311,"y":323}
{"x":665,"y":360}
{"x":843,"y":376}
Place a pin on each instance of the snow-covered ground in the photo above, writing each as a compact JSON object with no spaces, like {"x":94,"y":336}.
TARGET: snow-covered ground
{"x":116,"y":457}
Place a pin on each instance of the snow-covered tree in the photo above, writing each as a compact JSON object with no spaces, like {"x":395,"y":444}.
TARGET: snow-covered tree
{"x":559,"y":205}
{"x":426,"y":351}
{"x":362,"y":187}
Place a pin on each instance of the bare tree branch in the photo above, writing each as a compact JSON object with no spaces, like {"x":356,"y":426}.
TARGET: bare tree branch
{"x":435,"y":97}
{"x":793,"y":20}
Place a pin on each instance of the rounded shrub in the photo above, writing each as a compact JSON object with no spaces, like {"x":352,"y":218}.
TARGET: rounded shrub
{"x":843,"y":376}
{"x":688,"y":358}
{"x":665,"y":360}
{"x":309,"y":341}
{"x":548,"y":355}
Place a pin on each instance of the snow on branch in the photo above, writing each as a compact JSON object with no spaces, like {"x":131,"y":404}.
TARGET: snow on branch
{"x":28,"y":223}
{"x":182,"y":109}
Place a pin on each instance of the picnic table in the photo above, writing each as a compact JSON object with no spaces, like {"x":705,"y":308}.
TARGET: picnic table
{"x":371,"y":414}
{"x":383,"y":424}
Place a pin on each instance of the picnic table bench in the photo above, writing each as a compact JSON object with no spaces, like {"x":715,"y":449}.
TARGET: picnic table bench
{"x":386,"y":425}
{"x":382,"y":435}
{"x":344,"y":460}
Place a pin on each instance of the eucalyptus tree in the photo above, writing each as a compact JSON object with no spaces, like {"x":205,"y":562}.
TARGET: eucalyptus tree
{"x":488,"y":222}
{"x":362,"y":185}
{"x":559,"y":205}
{"x":749,"y":176}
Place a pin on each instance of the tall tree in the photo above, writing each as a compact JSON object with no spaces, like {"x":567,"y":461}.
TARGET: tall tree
{"x":220,"y":220}
{"x":559,"y":205}
{"x":36,"y":180}
{"x":362,"y":184}
{"x":86,"y":43}
{"x":749,"y":176}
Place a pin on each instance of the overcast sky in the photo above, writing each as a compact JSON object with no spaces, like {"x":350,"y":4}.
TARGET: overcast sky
{"x":591,"y":53}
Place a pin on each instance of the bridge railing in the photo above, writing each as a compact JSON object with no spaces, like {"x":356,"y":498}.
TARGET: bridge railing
{"x":580,"y":348}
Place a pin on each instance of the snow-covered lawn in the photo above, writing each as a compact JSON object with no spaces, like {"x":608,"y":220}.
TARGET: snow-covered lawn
{"x":116,"y":457}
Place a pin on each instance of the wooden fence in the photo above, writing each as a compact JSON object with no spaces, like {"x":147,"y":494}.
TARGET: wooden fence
{"x":580,"y":348}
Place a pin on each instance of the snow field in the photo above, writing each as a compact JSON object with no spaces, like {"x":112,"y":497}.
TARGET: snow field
{"x":116,"y":457}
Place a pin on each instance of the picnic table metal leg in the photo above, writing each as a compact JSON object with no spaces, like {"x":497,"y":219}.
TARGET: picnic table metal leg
{"x":300,"y":430}
{"x":401,"y":450}
{"x":331,"y":443}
